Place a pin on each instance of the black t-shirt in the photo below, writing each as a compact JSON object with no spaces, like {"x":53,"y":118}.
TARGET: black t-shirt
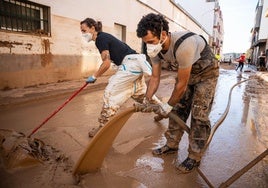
{"x":117,"y":49}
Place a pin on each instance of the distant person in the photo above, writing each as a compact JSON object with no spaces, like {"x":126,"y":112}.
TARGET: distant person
{"x":218,"y":57}
{"x":262,"y":59}
{"x":249,"y":61}
{"x":127,"y":82}
{"x":230,"y":60}
{"x":241,"y":60}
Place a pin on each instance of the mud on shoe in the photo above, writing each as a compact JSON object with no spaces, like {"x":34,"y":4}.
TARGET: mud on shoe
{"x":188,"y":165}
{"x":93,"y":131}
{"x":164,"y":150}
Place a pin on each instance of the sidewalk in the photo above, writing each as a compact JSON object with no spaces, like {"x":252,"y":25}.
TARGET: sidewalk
{"x":35,"y":93}
{"x":28,"y":94}
{"x":263,"y":75}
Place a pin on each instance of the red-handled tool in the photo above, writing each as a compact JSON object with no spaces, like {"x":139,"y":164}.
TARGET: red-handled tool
{"x":57,"y":110}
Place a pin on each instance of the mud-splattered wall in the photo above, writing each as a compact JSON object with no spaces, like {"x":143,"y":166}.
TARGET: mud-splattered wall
{"x":29,"y":60}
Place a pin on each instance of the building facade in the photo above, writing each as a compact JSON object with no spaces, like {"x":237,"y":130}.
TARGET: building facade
{"x":218,"y":29}
{"x":209,"y":16}
{"x":259,"y":33}
{"x":40,"y":40}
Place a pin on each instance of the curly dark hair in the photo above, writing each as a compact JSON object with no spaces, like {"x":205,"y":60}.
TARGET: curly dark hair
{"x":154,"y":23}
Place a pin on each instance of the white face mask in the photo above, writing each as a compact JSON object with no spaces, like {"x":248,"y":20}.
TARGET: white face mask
{"x":87,"y":36}
{"x":154,"y":49}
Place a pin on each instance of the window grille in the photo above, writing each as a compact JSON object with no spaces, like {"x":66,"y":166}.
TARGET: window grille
{"x":24,"y":16}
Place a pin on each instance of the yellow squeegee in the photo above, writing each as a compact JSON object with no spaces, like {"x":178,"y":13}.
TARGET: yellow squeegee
{"x":92,"y":158}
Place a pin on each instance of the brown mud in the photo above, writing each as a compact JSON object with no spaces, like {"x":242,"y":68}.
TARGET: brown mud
{"x":49,"y":160}
{"x":19,"y":153}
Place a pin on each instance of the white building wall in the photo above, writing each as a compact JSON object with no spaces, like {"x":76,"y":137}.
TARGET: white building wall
{"x":124,"y":12}
{"x":28,"y":60}
{"x":263,"y":32}
{"x":201,"y":10}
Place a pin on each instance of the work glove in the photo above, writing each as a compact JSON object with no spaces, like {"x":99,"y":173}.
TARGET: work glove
{"x":164,"y":110}
{"x":91,"y":79}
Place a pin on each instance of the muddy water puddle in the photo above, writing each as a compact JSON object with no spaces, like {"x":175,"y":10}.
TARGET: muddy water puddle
{"x":240,"y":138}
{"x":235,"y":144}
{"x":242,"y":135}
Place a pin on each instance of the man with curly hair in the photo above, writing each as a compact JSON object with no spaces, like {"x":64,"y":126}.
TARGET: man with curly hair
{"x":197,"y":75}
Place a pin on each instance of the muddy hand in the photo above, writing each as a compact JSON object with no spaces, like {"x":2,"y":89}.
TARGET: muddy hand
{"x":158,"y":117}
{"x":146,"y":108}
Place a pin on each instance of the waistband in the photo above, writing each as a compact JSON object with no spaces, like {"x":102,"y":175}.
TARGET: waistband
{"x":134,"y":56}
{"x":124,"y":68}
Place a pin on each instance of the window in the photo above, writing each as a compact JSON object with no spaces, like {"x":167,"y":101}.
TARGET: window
{"x":120,"y":32}
{"x":24,"y":16}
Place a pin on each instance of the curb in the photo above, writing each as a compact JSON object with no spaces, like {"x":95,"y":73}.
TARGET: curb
{"x":43,"y":92}
{"x":48,"y":91}
{"x":263,"y":76}
{"x":28,"y":98}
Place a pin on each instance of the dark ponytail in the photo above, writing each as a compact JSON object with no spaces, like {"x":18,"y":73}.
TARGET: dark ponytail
{"x":98,"y":26}
{"x":91,"y":22}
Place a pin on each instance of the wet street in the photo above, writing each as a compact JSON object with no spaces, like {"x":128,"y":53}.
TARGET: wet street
{"x":241,"y":137}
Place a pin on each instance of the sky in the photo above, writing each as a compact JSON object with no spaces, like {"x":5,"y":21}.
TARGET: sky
{"x":238,"y":19}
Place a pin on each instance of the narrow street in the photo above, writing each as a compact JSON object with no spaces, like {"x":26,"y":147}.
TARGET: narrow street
{"x":241,"y":137}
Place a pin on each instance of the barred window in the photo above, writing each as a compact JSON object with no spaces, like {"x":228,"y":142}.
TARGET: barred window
{"x":24,"y":16}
